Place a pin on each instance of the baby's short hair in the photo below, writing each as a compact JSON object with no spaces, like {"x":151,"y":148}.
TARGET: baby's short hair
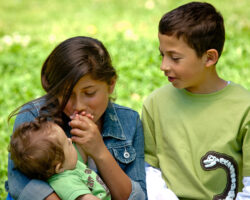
{"x":199,"y":24}
{"x":34,"y":150}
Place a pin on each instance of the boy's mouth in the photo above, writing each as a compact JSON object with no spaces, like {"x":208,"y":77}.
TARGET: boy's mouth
{"x":171,"y":79}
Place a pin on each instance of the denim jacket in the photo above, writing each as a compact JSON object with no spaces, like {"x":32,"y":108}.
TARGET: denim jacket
{"x":122,"y":134}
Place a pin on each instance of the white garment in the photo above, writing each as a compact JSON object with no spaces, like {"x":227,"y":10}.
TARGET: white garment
{"x":156,"y":186}
{"x":245,"y":194}
{"x":157,"y":189}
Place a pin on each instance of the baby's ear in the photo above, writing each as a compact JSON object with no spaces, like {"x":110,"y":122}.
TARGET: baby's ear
{"x":211,"y":57}
{"x":59,"y":168}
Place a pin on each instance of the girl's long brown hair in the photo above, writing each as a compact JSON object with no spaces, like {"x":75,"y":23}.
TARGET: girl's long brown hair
{"x":67,"y":63}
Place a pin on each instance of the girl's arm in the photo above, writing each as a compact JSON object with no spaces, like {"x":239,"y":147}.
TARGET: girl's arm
{"x":87,"y":197}
{"x":86,"y":134}
{"x":52,"y":196}
{"x":20,"y":186}
{"x":114,"y":177}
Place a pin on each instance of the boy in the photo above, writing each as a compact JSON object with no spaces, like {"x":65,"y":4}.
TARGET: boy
{"x":197,"y":129}
{"x":40,"y":149}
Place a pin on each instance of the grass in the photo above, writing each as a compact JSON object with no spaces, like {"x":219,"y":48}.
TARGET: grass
{"x":29,"y":30}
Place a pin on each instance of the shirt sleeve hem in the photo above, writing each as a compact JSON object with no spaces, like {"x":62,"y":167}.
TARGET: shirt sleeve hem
{"x":35,"y":190}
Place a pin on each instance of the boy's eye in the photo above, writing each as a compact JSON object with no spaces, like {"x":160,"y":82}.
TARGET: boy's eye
{"x":175,"y":58}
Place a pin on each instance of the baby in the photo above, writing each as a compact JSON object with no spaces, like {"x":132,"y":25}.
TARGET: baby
{"x":40,"y":149}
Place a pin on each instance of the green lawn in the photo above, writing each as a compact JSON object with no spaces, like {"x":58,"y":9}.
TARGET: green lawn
{"x":30,"y":29}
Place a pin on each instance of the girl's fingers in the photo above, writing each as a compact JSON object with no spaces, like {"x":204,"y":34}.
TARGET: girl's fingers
{"x":82,"y":114}
{"x":82,"y":123}
{"x":77,"y":132}
{"x":73,"y":115}
{"x":90,"y":116}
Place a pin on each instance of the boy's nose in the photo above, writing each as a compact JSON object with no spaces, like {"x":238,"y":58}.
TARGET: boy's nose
{"x":165,"y":67}
{"x":165,"y":64}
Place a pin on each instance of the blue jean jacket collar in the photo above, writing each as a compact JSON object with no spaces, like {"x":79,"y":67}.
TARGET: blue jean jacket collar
{"x":111,"y":124}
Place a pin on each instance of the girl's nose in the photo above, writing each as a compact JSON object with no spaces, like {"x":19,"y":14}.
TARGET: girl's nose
{"x":79,"y":106}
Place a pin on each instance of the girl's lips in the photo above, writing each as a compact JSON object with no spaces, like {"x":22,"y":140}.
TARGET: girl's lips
{"x":171,"y":79}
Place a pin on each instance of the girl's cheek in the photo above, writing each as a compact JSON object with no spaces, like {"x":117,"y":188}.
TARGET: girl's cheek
{"x":68,"y":109}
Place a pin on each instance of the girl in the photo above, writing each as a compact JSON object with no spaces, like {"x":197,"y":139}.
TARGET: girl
{"x":78,"y":78}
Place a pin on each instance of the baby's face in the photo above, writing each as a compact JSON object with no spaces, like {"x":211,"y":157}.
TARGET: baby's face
{"x":70,"y":152}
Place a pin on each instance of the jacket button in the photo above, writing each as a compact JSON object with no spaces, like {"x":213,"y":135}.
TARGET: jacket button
{"x":126,"y":154}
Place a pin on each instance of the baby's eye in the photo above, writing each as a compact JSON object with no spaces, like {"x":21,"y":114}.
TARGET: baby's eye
{"x":161,"y":54}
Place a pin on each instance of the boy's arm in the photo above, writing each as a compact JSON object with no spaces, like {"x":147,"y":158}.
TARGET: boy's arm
{"x":245,"y":134}
{"x":149,"y":137}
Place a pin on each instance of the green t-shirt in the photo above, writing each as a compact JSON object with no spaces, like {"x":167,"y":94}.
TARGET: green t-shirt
{"x":71,"y":184}
{"x":201,"y":142}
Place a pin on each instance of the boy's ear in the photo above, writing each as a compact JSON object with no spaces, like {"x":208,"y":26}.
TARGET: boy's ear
{"x":59,"y":168}
{"x":211,"y":57}
{"x":112,"y":85}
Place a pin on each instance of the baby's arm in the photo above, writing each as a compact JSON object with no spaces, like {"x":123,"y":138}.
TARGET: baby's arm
{"x":87,"y":197}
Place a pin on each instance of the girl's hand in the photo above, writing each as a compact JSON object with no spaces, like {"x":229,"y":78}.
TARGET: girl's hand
{"x":86,"y":134}
{"x":52,"y":196}
{"x":87,"y":197}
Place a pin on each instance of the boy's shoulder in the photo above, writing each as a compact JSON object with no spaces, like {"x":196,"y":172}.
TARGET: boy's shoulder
{"x":160,"y":92}
{"x":238,"y":91}
{"x":168,"y":92}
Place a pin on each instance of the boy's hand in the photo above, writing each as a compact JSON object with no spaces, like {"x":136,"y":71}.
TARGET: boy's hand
{"x":86,"y":133}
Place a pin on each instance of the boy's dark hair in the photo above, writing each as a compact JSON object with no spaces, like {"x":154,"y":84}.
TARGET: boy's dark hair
{"x":199,"y":24}
{"x":34,"y":150}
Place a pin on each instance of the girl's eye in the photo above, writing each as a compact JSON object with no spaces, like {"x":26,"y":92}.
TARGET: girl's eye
{"x":90,"y":93}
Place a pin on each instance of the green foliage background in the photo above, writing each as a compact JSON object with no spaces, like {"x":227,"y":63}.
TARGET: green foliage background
{"x":30,"y":29}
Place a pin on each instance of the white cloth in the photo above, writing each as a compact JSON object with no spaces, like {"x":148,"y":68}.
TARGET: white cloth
{"x":245,"y":194}
{"x":156,"y":186}
{"x":157,"y":189}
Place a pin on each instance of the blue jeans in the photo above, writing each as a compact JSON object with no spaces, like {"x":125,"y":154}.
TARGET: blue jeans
{"x":9,"y":197}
